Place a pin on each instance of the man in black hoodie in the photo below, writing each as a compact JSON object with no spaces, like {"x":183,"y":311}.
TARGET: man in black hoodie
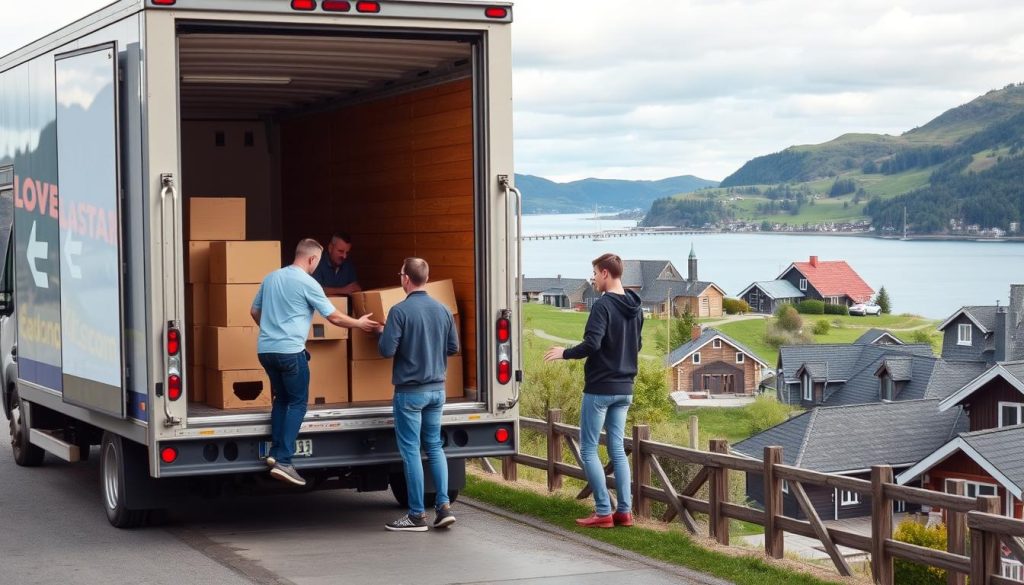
{"x":611,"y":344}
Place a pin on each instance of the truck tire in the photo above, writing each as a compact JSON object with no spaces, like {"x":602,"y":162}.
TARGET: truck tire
{"x":114,"y":462}
{"x":25,"y":454}
{"x":400,"y":491}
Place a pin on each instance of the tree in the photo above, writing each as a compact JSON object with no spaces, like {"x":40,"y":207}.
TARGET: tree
{"x":883,"y":300}
{"x":766,"y":226}
{"x":680,"y":331}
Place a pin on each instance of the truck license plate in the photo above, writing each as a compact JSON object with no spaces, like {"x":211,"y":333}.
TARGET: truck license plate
{"x":303,"y":448}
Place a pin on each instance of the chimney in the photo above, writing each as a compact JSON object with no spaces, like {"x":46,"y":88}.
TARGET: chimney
{"x":695,"y":332}
{"x":559,"y":278}
{"x":1002,"y":338}
{"x":814,"y":261}
{"x":1014,"y":338}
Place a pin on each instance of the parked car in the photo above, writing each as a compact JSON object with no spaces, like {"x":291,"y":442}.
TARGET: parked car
{"x":865,"y":309}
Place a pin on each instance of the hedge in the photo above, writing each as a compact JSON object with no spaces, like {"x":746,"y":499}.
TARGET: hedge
{"x":811,"y":307}
{"x":831,"y":309}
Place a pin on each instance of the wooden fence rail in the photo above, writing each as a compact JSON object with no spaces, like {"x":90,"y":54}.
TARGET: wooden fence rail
{"x":978,"y":516}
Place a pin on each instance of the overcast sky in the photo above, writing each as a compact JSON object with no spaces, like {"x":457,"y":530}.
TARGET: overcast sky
{"x":647,"y":89}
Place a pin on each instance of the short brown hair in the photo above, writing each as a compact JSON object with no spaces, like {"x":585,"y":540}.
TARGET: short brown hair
{"x":417,"y":270}
{"x":308,"y":247}
{"x":609,"y":262}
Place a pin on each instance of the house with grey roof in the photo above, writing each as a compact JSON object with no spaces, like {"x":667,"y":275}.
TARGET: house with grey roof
{"x":714,"y":364}
{"x":661,"y":287}
{"x":559,"y":292}
{"x":767,"y":296}
{"x":986,"y":333}
{"x":848,"y":440}
{"x":878,"y":337}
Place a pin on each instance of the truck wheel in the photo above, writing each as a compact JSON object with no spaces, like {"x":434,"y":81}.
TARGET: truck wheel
{"x":400,"y":491}
{"x":25,"y":453}
{"x":113,"y":471}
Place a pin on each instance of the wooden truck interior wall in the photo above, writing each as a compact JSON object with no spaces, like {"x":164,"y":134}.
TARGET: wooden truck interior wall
{"x":396,"y":174}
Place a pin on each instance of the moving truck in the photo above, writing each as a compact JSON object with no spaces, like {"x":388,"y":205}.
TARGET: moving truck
{"x":121,"y":132}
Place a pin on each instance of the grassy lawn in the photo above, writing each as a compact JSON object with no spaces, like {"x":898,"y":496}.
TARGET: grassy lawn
{"x":570,"y":325}
{"x":670,"y":544}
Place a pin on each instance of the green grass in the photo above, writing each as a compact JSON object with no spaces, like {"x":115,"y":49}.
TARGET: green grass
{"x":750,"y":333}
{"x":570,"y":325}
{"x":671,"y":545}
{"x":731,"y":424}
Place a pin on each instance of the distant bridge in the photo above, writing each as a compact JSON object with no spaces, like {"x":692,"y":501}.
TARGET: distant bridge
{"x":604,"y":235}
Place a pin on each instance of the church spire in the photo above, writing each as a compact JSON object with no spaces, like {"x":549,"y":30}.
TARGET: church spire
{"x":691,"y":265}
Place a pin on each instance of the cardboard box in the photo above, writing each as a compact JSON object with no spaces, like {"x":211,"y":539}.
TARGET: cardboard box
{"x":364,"y":345}
{"x":243,"y":262}
{"x":216,"y":218}
{"x":238,"y":389}
{"x":196,"y":344}
{"x":453,"y":384}
{"x":232,"y":348}
{"x":196,"y":382}
{"x":230,"y":304}
{"x":371,"y":380}
{"x":198,"y":267}
{"x":379,"y":301}
{"x":328,"y":372}
{"x":197,"y":303}
{"x":322,"y":329}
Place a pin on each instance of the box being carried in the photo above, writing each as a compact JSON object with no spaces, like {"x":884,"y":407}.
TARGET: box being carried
{"x":379,"y":301}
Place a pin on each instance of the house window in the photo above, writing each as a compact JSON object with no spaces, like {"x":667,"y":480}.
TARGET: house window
{"x":888,"y":391}
{"x":717,"y":344}
{"x":739,"y":357}
{"x":1011,"y":413}
{"x":848,"y":498}
{"x":803,"y":284}
{"x":973,"y":489}
{"x":805,"y":383}
{"x":1013,"y":570}
{"x":696,"y":358}
{"x":899,"y":506}
{"x":963,"y":334}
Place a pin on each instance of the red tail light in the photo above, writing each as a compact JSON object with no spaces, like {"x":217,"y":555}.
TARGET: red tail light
{"x":303,"y":4}
{"x":370,"y":7}
{"x":504,"y":371}
{"x":336,"y":5}
{"x":174,"y":386}
{"x":504,"y":330}
{"x":496,"y":12}
{"x":168,"y":454}
{"x":164,"y":2}
{"x":501,"y":435}
{"x":173,"y":342}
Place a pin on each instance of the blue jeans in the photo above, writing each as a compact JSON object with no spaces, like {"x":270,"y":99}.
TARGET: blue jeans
{"x":418,"y":421}
{"x":608,"y":412}
{"x":289,"y":385}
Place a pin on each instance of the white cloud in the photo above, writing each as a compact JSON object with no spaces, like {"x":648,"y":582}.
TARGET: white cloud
{"x":653,"y":88}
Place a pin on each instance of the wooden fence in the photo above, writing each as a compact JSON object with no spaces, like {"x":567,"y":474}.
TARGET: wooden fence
{"x":978,"y":516}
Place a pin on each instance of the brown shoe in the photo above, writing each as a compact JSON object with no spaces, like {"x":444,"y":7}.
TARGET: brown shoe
{"x":623,"y":518}
{"x":595,"y":521}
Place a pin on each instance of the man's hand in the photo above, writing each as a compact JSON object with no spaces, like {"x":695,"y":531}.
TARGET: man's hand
{"x":555,"y":353}
{"x":369,"y":325}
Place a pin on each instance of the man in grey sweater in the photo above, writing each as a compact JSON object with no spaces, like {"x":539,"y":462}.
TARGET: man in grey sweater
{"x":420,"y":335}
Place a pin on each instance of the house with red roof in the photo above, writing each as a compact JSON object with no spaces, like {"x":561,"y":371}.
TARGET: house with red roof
{"x":832,"y":281}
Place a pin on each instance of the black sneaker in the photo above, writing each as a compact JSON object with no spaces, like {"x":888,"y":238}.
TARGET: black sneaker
{"x":287,"y":473}
{"x":444,"y":517}
{"x":408,"y":524}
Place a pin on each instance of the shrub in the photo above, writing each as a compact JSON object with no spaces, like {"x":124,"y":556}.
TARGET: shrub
{"x":776,"y":336}
{"x":811,"y":307}
{"x":788,"y":318}
{"x":735,"y":306}
{"x":921,"y":336}
{"x":831,"y":309}
{"x":651,"y":403}
{"x":908,"y":573}
{"x":821,"y":327}
{"x":766,"y":412}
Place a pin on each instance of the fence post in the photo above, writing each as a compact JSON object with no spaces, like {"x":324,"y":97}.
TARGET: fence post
{"x":694,"y":432}
{"x":641,"y":471}
{"x":718,"y":524}
{"x":774,"y":541}
{"x":956,"y":537}
{"x":554,"y":449}
{"x":509,"y":468}
{"x":881,"y":525}
{"x":985,"y":559}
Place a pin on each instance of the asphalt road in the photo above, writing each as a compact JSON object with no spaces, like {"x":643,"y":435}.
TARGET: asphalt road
{"x":53,"y":530}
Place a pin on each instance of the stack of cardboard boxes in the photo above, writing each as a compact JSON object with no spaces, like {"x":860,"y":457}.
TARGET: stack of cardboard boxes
{"x":224,"y":272}
{"x":370,"y":373}
{"x":328,"y":358}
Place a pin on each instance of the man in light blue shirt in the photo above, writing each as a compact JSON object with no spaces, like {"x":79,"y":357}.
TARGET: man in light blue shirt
{"x":283,"y":308}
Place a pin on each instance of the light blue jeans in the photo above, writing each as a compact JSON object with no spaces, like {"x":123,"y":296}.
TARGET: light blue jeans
{"x":418,"y":421}
{"x":607,"y":412}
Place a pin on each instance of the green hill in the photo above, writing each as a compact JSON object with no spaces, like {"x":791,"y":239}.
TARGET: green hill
{"x":962,"y":168}
{"x":543,"y":196}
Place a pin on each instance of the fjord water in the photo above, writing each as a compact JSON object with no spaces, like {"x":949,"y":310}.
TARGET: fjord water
{"x":928,"y":278}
